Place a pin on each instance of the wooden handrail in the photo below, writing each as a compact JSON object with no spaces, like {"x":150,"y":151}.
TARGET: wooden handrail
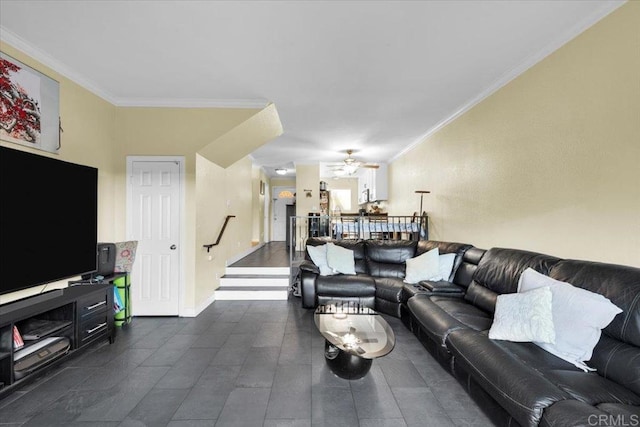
{"x":226,"y":220}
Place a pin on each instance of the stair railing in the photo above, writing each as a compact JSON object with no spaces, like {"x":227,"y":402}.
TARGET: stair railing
{"x":226,"y":220}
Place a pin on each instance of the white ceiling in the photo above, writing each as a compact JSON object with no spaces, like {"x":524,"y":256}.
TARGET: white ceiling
{"x":373,"y":76}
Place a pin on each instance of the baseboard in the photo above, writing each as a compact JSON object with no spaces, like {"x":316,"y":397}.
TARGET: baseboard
{"x":190,"y":312}
{"x":241,"y":255}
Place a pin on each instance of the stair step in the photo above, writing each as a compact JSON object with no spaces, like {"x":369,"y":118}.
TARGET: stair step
{"x":271,"y":271}
{"x":250,"y":280}
{"x":252,"y":293}
{"x":256,"y":276}
{"x":252,"y":288}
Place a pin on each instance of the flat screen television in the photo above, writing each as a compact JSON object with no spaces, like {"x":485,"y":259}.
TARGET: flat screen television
{"x":48,"y":219}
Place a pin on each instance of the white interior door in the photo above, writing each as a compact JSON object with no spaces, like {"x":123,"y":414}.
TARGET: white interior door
{"x":154,"y":212}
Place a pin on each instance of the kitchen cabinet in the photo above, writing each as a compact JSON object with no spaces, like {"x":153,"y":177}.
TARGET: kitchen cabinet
{"x":374,"y":180}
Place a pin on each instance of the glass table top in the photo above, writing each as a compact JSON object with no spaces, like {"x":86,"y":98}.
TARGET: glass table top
{"x":355,"y":329}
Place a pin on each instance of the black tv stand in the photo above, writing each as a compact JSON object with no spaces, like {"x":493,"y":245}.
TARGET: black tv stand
{"x":35,"y":299}
{"x":82,"y":314}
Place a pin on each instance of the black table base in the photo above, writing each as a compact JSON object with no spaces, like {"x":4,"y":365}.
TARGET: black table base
{"x":345,"y":365}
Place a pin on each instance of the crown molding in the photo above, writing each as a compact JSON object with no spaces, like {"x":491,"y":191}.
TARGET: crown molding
{"x":192,"y":103}
{"x":564,"y":38}
{"x":39,"y":55}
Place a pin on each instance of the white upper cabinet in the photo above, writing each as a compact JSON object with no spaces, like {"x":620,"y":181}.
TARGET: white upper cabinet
{"x":374,"y":180}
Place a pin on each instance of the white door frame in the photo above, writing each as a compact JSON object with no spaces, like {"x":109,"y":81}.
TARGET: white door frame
{"x":129,"y":224}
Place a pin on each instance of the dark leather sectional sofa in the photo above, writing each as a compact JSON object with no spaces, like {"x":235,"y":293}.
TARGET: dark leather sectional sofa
{"x":516,"y":383}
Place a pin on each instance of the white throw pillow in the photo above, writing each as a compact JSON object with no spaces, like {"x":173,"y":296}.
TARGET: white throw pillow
{"x":318,"y":255}
{"x":340,"y":259}
{"x":579,"y":316}
{"x":445,"y":266}
{"x":524,"y":317}
{"x":423,"y":267}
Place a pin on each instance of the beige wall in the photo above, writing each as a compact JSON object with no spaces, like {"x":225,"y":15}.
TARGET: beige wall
{"x":98,"y":134}
{"x":220,"y":192}
{"x":88,"y":138}
{"x":182,"y":132}
{"x":550,"y":163}
{"x":307,"y":177}
{"x":283,"y":182}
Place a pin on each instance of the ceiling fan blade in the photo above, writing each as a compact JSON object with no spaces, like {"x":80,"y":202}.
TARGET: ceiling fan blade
{"x":370,"y":166}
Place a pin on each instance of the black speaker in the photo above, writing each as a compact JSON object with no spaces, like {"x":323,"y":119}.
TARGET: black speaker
{"x":105,"y":261}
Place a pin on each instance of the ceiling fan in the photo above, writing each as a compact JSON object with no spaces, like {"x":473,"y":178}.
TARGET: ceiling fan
{"x":350,"y":165}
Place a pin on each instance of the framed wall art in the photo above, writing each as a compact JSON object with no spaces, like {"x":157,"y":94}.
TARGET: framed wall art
{"x":29,"y":106}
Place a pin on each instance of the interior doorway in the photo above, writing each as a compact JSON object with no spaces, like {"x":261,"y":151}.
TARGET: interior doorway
{"x":280,"y":202}
{"x":155,"y":205}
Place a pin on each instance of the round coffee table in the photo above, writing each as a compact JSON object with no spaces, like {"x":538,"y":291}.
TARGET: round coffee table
{"x":354,"y":336}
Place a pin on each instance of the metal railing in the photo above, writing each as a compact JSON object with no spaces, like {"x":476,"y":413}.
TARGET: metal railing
{"x":346,"y":226}
{"x":224,"y":226}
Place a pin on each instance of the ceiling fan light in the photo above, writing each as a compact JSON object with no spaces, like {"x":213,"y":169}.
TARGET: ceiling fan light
{"x":281,"y":171}
{"x":350,"y":168}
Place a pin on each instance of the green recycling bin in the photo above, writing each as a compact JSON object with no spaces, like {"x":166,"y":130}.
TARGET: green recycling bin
{"x":122,"y":287}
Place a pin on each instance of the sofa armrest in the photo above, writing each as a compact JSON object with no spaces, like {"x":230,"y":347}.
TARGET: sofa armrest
{"x":441,"y":287}
{"x":310,"y":267}
{"x":309,"y":272}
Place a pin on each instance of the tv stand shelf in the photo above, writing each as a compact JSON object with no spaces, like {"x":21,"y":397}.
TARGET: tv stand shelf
{"x":81,"y":314}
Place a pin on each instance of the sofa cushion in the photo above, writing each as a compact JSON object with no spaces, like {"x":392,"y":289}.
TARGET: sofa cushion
{"x":390,"y":251}
{"x":524,"y":317}
{"x":439,"y":315}
{"x":345,"y":286}
{"x":445,"y":248}
{"x":591,"y":388}
{"x":318,"y":255}
{"x":522,"y":391}
{"x":446,"y":264}
{"x":617,"y":361}
{"x":481,"y":297}
{"x":389,"y":294}
{"x":468,"y":266}
{"x":357,"y":246}
{"x":569,"y":413}
{"x":499,"y":271}
{"x":423,"y":267}
{"x":389,"y":289}
{"x":620,"y":284}
{"x":386,"y":258}
{"x":578,"y":316}
{"x":340,"y":259}
{"x":537,"y":358}
{"x":617,"y":353}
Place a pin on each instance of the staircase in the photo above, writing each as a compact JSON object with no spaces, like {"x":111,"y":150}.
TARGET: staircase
{"x":254,"y":283}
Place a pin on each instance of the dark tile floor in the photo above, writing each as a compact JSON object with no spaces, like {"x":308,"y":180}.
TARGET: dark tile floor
{"x":239,"y":363}
{"x":271,"y":254}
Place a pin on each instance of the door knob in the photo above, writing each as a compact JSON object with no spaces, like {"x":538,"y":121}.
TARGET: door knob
{"x":172,"y":247}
